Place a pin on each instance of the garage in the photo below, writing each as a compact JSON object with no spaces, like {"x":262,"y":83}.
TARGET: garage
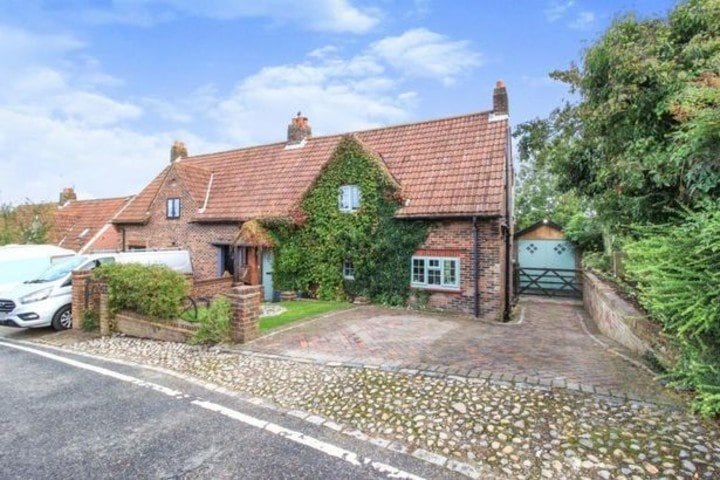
{"x":547,"y":263}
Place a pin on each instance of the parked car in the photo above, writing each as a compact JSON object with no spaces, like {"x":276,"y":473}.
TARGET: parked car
{"x":47,"y":299}
{"x":19,"y":263}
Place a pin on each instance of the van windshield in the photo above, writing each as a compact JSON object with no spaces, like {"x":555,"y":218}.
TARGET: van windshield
{"x":60,"y":270}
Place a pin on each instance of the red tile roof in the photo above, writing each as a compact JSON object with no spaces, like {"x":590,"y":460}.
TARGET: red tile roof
{"x":86,"y":224}
{"x":446,"y":167}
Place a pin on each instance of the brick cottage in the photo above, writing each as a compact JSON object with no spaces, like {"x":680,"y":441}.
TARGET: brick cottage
{"x":455,"y":173}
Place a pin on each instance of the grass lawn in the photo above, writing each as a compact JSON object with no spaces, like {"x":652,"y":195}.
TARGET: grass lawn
{"x":299,"y":309}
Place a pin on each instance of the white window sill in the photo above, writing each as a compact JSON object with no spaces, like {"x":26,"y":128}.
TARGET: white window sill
{"x":439,"y":288}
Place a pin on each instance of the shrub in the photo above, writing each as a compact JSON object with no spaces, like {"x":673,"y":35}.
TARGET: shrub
{"x":677,"y":270}
{"x":90,"y":321}
{"x":152,"y":290}
{"x":214,"y":323}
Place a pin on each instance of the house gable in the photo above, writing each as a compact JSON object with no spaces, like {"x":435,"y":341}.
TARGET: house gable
{"x":310,"y":256}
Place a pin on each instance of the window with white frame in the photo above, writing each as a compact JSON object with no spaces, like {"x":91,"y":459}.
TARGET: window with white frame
{"x":173,"y":208}
{"x":435,"y":272}
{"x":349,"y":198}
{"x":348,"y":270}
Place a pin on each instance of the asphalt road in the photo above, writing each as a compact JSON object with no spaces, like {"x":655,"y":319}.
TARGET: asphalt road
{"x":66,"y":416}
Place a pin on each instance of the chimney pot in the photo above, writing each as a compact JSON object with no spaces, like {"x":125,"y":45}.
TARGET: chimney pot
{"x":178,"y":151}
{"x":298,"y":130}
{"x":500,"y":99}
{"x":67,"y":194}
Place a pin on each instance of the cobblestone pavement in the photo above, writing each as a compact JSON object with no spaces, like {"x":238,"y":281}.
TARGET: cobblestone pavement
{"x":479,"y":427}
{"x":548,"y":344}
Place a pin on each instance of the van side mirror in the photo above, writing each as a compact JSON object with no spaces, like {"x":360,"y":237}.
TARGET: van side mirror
{"x":68,"y":282}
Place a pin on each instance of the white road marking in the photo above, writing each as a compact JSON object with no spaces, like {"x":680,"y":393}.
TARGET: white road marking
{"x":292,"y":435}
{"x":100,"y":370}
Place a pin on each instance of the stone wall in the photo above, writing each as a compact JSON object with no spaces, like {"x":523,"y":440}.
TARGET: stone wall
{"x":454,"y":238}
{"x":622,"y":322}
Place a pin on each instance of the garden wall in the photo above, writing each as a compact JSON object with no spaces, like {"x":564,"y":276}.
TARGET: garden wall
{"x":624,"y":323}
{"x":211,"y":287}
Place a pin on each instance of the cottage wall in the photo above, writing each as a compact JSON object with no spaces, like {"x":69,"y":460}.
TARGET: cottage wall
{"x":454,"y":238}
{"x":163,"y":232}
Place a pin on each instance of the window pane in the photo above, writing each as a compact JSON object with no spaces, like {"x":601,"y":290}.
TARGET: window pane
{"x":418,"y":270}
{"x":355,"y":192}
{"x":433,"y":272}
{"x":450,"y":272}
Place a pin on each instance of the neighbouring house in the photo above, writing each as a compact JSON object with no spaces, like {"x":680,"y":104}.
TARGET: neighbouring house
{"x":452,"y":176}
{"x":81,"y":225}
{"x":86,"y":225}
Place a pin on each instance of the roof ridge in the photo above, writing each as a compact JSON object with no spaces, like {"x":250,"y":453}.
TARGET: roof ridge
{"x":341,"y":134}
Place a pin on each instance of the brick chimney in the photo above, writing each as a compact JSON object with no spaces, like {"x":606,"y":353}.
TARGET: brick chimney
{"x":67,"y":194}
{"x":500,"y":99}
{"x":178,"y":151}
{"x":298,"y":130}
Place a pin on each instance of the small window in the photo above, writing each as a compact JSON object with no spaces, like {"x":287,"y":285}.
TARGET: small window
{"x":348,"y":270}
{"x":349,"y":198}
{"x":435,"y":272}
{"x":173,"y":208}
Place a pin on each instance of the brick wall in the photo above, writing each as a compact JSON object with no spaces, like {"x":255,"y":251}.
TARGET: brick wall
{"x":86,"y":294}
{"x":212,"y":287}
{"x":162,"y":232}
{"x":454,"y":238}
{"x":624,"y":323}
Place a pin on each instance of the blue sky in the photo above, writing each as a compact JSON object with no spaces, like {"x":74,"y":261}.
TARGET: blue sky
{"x":93,"y":94}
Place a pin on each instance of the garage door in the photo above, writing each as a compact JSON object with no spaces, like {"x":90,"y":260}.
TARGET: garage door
{"x":547,"y":267}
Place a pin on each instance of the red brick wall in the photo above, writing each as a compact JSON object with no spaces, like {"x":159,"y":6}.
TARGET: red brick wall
{"x":161,"y":232}
{"x":454,"y":238}
{"x":212,"y":287}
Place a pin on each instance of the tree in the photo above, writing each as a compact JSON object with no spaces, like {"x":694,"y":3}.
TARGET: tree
{"x":643,"y":139}
{"x":537,"y":194}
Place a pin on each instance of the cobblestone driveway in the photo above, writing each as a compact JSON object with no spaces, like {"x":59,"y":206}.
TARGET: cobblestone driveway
{"x":551,"y":343}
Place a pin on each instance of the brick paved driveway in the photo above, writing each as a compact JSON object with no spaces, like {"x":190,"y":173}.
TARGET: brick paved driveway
{"x":549,"y":343}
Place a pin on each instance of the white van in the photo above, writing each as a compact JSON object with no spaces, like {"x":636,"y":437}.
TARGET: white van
{"x":47,"y":299}
{"x":24,"y":262}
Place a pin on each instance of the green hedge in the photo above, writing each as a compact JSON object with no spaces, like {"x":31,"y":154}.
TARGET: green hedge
{"x":152,"y":290}
{"x":677,"y":270}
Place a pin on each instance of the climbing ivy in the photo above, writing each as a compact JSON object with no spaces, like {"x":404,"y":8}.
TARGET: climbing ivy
{"x":309,"y":256}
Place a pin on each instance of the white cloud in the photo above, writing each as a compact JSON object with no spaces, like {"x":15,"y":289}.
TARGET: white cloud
{"x":320,"y":15}
{"x":60,"y":127}
{"x":557,"y":9}
{"x":584,"y":20}
{"x":337,"y":95}
{"x":423,"y":53}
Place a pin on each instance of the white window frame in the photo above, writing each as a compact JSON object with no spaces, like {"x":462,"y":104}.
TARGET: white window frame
{"x":348,"y":270}
{"x":443,"y":285}
{"x":170,"y":211}
{"x":349,"y":197}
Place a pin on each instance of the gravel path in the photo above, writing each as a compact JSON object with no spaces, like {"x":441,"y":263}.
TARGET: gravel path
{"x":502,"y":430}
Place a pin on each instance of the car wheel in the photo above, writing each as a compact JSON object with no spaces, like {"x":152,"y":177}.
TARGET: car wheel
{"x":62,"y":320}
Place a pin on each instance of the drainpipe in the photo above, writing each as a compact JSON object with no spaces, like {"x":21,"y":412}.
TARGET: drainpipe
{"x":476,"y":268}
{"x":123,"y":239}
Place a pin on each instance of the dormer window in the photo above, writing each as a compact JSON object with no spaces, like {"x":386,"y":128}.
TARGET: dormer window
{"x":349,"y":198}
{"x":173,"y":208}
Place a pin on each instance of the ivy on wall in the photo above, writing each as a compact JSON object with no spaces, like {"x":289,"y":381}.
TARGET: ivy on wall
{"x":309,"y":257}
